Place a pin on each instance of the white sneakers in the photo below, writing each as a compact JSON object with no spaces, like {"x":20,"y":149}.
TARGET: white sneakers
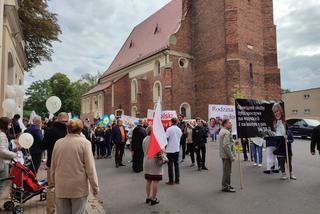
{"x":284,"y":176}
{"x":292,"y":176}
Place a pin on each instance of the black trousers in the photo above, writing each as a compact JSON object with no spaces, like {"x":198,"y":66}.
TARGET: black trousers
{"x":282,"y":162}
{"x":36,"y":160}
{"x":183,"y":146}
{"x":201,"y":156}
{"x":119,"y":152}
{"x":190,"y":148}
{"x":101,"y":149}
{"x":173,"y":161}
{"x":93,"y":147}
{"x":108,"y":148}
{"x":137,"y":161}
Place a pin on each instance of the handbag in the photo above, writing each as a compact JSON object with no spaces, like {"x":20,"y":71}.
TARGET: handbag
{"x":161,"y":158}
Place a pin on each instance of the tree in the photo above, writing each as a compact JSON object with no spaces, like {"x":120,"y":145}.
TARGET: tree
{"x":92,"y":80}
{"x":86,"y":82}
{"x":59,"y":85}
{"x":40,"y":30}
{"x":38,"y":93}
{"x":285,"y":90}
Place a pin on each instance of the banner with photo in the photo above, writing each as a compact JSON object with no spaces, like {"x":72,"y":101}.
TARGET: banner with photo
{"x":166,"y":117}
{"x":224,"y":112}
{"x":128,"y":121}
{"x":259,"y":118}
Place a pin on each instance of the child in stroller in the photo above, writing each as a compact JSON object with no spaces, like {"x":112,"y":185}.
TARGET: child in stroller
{"x":24,"y":187}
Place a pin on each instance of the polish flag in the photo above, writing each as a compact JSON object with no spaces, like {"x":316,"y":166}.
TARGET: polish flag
{"x":158,"y":138}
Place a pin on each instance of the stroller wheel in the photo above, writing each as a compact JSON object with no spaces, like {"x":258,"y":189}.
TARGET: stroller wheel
{"x":17,"y":209}
{"x":43,"y":196}
{"x":8,"y":205}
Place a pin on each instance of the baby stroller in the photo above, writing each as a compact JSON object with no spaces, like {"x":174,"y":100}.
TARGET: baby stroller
{"x":24,"y":187}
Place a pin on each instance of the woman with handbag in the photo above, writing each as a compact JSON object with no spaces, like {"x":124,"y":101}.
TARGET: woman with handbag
{"x":152,"y":170}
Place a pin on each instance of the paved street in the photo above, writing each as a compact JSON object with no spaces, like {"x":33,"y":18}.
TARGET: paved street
{"x":123,"y":191}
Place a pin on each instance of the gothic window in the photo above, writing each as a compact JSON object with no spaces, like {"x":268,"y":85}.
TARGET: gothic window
{"x":134,"y":111}
{"x":100,"y":102}
{"x":94,"y":104}
{"x":157,"y":69}
{"x":157,"y":91}
{"x":11,"y":75}
{"x":185,"y":109}
{"x":134,"y":90}
{"x":251,"y":71}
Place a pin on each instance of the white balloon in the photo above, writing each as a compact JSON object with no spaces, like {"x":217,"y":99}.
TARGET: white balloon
{"x":9,"y":105}
{"x":20,"y":90}
{"x":10,"y":91}
{"x":26,"y":140}
{"x":53,"y":104}
{"x":112,"y":117}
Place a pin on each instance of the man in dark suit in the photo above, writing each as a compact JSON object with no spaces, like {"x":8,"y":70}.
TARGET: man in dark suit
{"x":36,"y":148}
{"x":119,"y":138}
{"x":139,"y":133}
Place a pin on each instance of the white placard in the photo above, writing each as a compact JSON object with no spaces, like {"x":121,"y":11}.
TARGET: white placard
{"x":224,"y":112}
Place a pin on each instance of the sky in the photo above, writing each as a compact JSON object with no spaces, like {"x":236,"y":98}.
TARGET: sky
{"x":94,"y":31}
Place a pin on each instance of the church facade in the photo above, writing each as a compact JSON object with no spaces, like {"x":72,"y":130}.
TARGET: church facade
{"x":191,"y":54}
{"x":12,"y":53}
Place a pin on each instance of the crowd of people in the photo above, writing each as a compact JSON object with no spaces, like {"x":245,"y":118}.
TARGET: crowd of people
{"x":72,"y":145}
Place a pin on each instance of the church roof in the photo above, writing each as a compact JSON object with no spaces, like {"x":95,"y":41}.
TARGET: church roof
{"x":149,"y":37}
{"x":98,"y":88}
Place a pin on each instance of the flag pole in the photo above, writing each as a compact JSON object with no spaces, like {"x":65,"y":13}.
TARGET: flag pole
{"x":240,"y":169}
{"x":287,"y":155}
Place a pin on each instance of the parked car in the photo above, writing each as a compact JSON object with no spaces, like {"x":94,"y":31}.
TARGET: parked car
{"x":302,"y":127}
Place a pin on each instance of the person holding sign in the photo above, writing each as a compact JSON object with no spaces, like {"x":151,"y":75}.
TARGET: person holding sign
{"x":281,"y":155}
{"x":279,"y":133}
{"x":227,"y":154}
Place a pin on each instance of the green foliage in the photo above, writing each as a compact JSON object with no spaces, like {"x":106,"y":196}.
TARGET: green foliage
{"x":237,"y":94}
{"x":38,"y":93}
{"x":285,"y":90}
{"x":40,"y":30}
{"x":59,"y":85}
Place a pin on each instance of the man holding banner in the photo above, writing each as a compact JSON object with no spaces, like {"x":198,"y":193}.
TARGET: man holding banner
{"x":266,"y":119}
{"x":227,"y":154}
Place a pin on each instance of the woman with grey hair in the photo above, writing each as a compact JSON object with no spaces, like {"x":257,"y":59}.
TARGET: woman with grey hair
{"x":72,"y":170}
{"x":152,"y":171}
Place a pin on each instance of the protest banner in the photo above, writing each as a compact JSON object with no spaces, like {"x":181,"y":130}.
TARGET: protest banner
{"x":128,"y":120}
{"x":224,"y":112}
{"x":166,"y":117}
{"x":104,"y":121}
{"x":256,"y":118}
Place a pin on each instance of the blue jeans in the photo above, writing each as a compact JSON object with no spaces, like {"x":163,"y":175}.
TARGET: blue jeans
{"x":256,"y":151}
{"x":214,"y":137}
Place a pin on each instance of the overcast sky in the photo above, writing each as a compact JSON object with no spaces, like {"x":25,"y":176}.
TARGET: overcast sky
{"x":95,"y":30}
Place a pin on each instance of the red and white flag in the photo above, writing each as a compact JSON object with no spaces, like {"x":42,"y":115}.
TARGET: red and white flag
{"x":158,"y":138}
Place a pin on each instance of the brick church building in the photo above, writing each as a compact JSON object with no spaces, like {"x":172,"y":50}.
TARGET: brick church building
{"x":191,"y":54}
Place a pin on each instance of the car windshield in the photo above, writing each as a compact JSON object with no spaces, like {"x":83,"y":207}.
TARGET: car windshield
{"x":312,"y":122}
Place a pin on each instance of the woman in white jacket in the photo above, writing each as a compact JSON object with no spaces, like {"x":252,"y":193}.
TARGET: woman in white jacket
{"x":5,"y":154}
